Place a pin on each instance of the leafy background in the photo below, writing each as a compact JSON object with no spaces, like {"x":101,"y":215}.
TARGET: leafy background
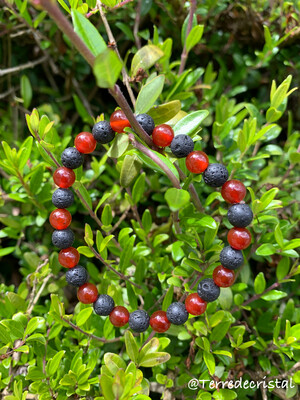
{"x":226,"y":98}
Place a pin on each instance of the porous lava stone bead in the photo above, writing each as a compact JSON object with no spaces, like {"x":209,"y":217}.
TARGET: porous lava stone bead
{"x":139,"y":321}
{"x":77,"y":276}
{"x":177,"y":313}
{"x":182,"y":145}
{"x":104,"y":304}
{"x":146,"y":123}
{"x":231,"y":258}
{"x":63,"y":198}
{"x":71,"y":158}
{"x":103,"y":132}
{"x":63,"y":238}
{"x":240,"y":215}
{"x":215,"y":175}
{"x":208,"y":290}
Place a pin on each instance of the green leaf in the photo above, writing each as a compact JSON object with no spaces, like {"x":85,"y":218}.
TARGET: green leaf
{"x":37,"y":179}
{"x":148,"y":94}
{"x":106,"y":216}
{"x":151,"y":164}
{"x":168,"y":298}
{"x":88,"y":235}
{"x":273,"y":295}
{"x":177,"y":198}
{"x":24,"y":152}
{"x":259,"y":283}
{"x":107,"y":68}
{"x":130,"y":169}
{"x":83,"y":316}
{"x":85,"y":250}
{"x":32,"y":325}
{"x":88,"y":33}
{"x":266,"y":249}
{"x":110,"y":3}
{"x":26,"y":91}
{"x":279,"y":236}
{"x":102,"y":200}
{"x":194,"y":37}
{"x":280,"y":93}
{"x":190,"y":123}
{"x":105,"y":242}
{"x":6,"y":250}
{"x":273,"y":115}
{"x":209,"y":361}
{"x":138,"y":188}
{"x":131,"y":346}
{"x":145,"y":58}
{"x":132,"y":297}
{"x":53,"y":364}
{"x":119,"y":146}
{"x":164,"y":112}
{"x":268,"y":197}
{"x":156,"y":358}
{"x":292,"y":244}
{"x":106,"y":383}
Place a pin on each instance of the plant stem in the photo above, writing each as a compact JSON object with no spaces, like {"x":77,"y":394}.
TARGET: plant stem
{"x":189,"y":28}
{"x":147,"y":340}
{"x":175,"y":216}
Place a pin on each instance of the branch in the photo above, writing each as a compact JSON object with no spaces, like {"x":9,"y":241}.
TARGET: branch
{"x":19,"y":68}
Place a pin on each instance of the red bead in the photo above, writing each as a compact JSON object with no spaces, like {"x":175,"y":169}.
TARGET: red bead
{"x":223,"y":277}
{"x":68,"y":257}
{"x":85,"y":142}
{"x":87,"y":293}
{"x":233,"y":191}
{"x":159,"y":321}
{"x":118,"y":121}
{"x":60,"y":218}
{"x":196,"y":162}
{"x":64,"y":177}
{"x":119,"y":316}
{"x":194,"y":304}
{"x":239,"y":238}
{"x":162,"y":135}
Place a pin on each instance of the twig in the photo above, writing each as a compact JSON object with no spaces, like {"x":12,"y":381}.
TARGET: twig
{"x":189,"y":28}
{"x":137,"y":24}
{"x":19,"y":68}
{"x":29,"y":310}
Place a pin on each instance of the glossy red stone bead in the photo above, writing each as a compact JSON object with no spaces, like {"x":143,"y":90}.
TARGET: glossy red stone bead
{"x":64,"y":177}
{"x":233,"y":191}
{"x":194,"y":304}
{"x":162,"y":135}
{"x":69,"y":257}
{"x":87,"y":293}
{"x":223,"y":277}
{"x":60,"y":218}
{"x":118,"y":121}
{"x":119,"y":316}
{"x":239,"y":238}
{"x":159,"y":321}
{"x":196,"y":162}
{"x":85,"y":142}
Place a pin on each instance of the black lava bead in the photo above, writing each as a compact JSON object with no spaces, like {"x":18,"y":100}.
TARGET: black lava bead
{"x":231,"y":258}
{"x":240,"y":215}
{"x":182,"y":145}
{"x":177,"y":313}
{"x":103,"y":132}
{"x":208,"y":290}
{"x":71,"y":158}
{"x":139,"y":321}
{"x":215,"y":175}
{"x":146,"y":123}
{"x":63,"y":238}
{"x":104,"y":304}
{"x":77,"y":276}
{"x":63,"y":198}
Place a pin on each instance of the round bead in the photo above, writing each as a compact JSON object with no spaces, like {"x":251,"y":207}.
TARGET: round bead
{"x":215,"y":175}
{"x":68,"y":257}
{"x":62,"y":198}
{"x":208,"y":290}
{"x":104,"y":304}
{"x":197,"y":162}
{"x":231,"y":258}
{"x":64,"y":177}
{"x":177,"y":313}
{"x":159,"y":321}
{"x":77,"y":276}
{"x":139,"y":321}
{"x":162,"y":135}
{"x":182,"y":145}
{"x":194,"y":304}
{"x":85,"y":142}
{"x":102,"y":132}
{"x":146,"y":123}
{"x":63,"y":238}
{"x":71,"y":158}
{"x":239,"y":238}
{"x":118,"y":121}
{"x":119,"y":316}
{"x":240,"y":215}
{"x":223,"y":277}
{"x":60,"y":218}
{"x":87,"y":293}
{"x":233,"y":191}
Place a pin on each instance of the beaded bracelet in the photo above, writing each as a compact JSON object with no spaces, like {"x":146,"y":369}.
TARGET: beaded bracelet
{"x":214,"y":174}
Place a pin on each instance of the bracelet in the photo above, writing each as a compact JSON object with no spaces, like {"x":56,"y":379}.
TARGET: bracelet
{"x":215,"y":175}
